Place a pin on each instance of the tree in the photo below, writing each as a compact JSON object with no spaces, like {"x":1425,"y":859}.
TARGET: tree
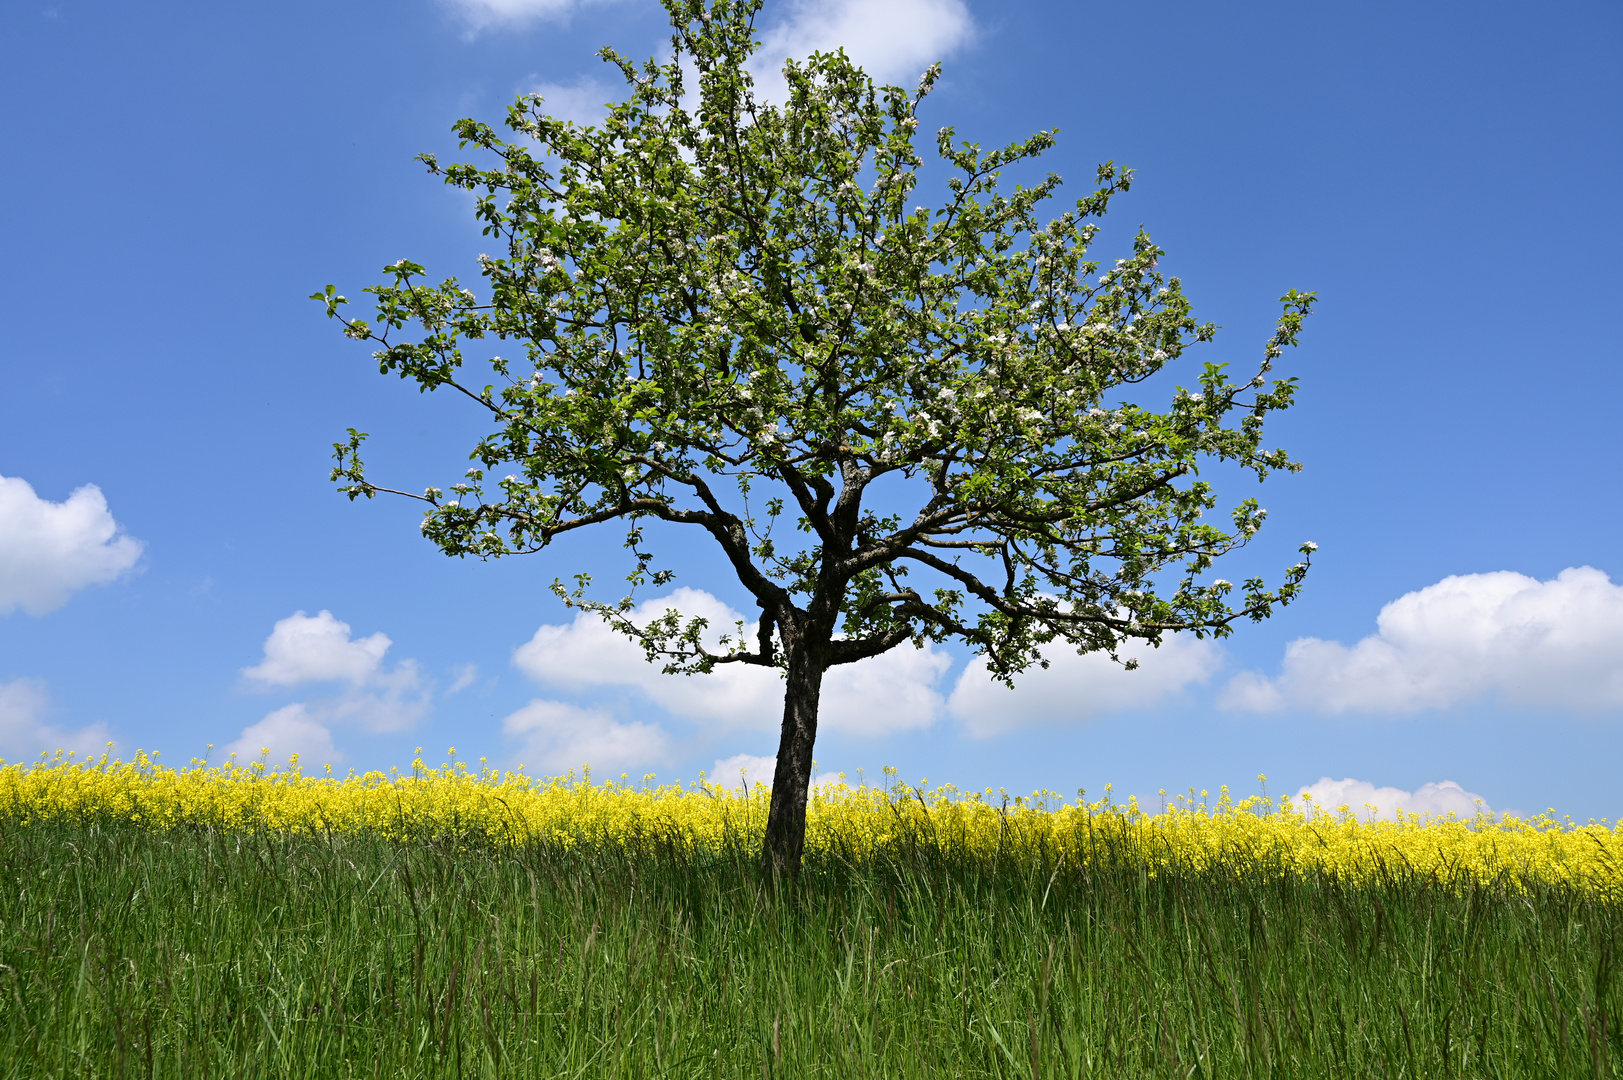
{"x":731,"y":311}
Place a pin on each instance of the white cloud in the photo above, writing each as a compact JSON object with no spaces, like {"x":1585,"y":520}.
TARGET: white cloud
{"x":482,"y":13}
{"x":287,"y":731}
{"x":1551,"y":644}
{"x":466,"y":676}
{"x":893,"y":40}
{"x":558,"y":737}
{"x":48,"y":549}
{"x":583,"y":101}
{"x":24,"y":734}
{"x":745,"y":768}
{"x":395,"y":701}
{"x":892,"y":692}
{"x":397,"y":704}
{"x":1440,"y":799}
{"x":1079,"y":688}
{"x":1250,"y":691}
{"x":303,"y":648}
{"x":588,"y":653}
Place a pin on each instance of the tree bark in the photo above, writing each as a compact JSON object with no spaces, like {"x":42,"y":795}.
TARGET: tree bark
{"x":791,"y":778}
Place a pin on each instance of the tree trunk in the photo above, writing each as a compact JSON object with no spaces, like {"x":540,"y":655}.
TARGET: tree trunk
{"x":791,"y":779}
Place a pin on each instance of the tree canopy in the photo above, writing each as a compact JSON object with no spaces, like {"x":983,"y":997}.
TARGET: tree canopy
{"x":734,"y":317}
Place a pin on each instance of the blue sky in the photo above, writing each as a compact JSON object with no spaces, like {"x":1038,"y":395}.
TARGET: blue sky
{"x":180,"y":176}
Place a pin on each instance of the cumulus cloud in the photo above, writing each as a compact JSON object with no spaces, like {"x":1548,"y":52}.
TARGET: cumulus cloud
{"x":588,"y":653}
{"x":287,"y":731}
{"x":557,"y":736}
{"x":741,"y":769}
{"x":1365,"y":799}
{"x":50,"y":549}
{"x":894,"y":691}
{"x":1076,"y":688}
{"x":24,"y":732}
{"x":304,"y":649}
{"x":1552,"y":644}
{"x":884,"y":694}
{"x":893,"y":40}
{"x":394,"y":701}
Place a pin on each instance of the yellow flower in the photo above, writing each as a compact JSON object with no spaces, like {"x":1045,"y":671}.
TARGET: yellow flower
{"x":1255,"y":835}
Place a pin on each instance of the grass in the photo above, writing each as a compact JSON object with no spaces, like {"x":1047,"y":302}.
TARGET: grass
{"x":189,"y":952}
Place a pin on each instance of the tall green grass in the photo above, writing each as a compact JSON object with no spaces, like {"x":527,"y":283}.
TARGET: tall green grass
{"x":135,"y":953}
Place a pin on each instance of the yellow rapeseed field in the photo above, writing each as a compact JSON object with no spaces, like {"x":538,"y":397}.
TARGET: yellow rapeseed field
{"x":854,"y":823}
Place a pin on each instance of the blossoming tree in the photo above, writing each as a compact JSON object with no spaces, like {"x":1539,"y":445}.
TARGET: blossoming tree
{"x":732,"y":313}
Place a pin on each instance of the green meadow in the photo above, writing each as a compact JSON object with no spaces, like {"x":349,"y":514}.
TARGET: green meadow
{"x":127,"y":952}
